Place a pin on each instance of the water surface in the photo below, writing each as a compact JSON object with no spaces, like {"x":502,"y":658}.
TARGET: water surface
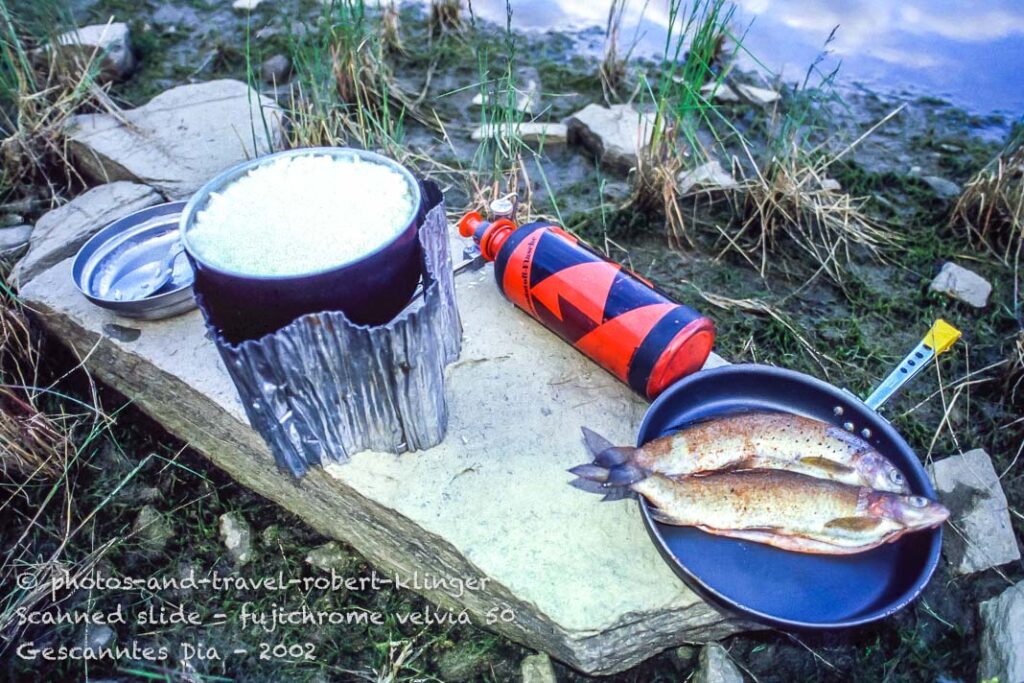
{"x":968,"y":53}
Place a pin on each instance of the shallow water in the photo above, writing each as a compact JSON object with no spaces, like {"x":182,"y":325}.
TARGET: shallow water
{"x":968,"y":53}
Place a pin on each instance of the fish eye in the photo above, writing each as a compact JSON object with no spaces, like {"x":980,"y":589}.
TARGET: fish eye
{"x":918,"y":501}
{"x":896,"y":477}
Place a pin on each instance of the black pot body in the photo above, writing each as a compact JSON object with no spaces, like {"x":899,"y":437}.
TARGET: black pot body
{"x":369,"y":291}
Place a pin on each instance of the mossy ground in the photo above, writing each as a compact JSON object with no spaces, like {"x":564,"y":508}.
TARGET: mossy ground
{"x":850,"y":334}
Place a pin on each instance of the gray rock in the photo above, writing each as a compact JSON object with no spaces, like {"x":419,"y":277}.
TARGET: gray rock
{"x":715,"y":666}
{"x":707,"y":176}
{"x":332,"y":556}
{"x":552,"y":133}
{"x":616,"y":134}
{"x":581,"y":576}
{"x":14,"y":241}
{"x":179,"y":139}
{"x":97,"y":636}
{"x":946,"y":189}
{"x":110,"y":44}
{"x":463,"y":663}
{"x":246,"y":5}
{"x":982,"y":535}
{"x":236,"y":535}
{"x":537,"y":669}
{"x":10,"y":220}
{"x":152,"y":530}
{"x":60,"y":233}
{"x":276,"y":69}
{"x":963,"y":284}
{"x":1002,"y":637}
{"x":755,"y":95}
{"x":721,"y":92}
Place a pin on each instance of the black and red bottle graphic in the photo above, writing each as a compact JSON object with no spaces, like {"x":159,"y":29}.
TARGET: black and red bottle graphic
{"x":607,"y":312}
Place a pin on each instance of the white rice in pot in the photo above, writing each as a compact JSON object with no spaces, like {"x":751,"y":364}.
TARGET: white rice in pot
{"x":302,"y":214}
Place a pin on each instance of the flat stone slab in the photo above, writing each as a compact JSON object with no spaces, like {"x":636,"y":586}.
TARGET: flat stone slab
{"x":982,"y":534}
{"x":581,"y":577}
{"x":60,"y":233}
{"x":179,"y":139}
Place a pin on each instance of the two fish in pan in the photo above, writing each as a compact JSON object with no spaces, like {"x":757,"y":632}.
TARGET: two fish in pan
{"x":784,"y":480}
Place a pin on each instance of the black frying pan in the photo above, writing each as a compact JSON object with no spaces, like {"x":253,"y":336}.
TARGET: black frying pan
{"x":787,"y":589}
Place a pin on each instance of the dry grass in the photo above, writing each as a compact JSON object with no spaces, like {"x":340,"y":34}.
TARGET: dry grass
{"x":654,"y":190}
{"x":612,"y":71}
{"x":390,"y":28}
{"x":1013,"y":377}
{"x":42,"y":90}
{"x":991,"y":206}
{"x":32,"y":443}
{"x":445,"y":17}
{"x":791,"y":203}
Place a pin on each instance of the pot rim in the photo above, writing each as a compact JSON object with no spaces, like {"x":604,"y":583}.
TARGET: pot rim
{"x":225,"y":178}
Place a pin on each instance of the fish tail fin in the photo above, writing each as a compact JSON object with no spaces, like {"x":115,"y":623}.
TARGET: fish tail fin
{"x":604,"y":452}
{"x":613,"y":481}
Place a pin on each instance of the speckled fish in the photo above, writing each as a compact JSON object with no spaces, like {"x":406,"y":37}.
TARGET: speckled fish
{"x":758,"y":440}
{"x":784,"y":509}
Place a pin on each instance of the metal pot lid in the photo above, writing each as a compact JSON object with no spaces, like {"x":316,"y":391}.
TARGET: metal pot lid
{"x":136,"y":267}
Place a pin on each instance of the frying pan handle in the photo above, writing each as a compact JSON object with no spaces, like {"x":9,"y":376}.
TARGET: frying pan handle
{"x":939,"y":339}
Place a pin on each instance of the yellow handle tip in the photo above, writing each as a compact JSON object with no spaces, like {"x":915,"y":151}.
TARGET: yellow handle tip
{"x":941,"y":337}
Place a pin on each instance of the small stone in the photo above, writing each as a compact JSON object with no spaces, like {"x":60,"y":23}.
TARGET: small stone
{"x":831,"y":185}
{"x":720,"y":92}
{"x":465,"y":663}
{"x":97,"y":636}
{"x":246,"y":5}
{"x":715,"y":666}
{"x":982,"y":535}
{"x":755,"y":95}
{"x":60,"y":233}
{"x":537,"y":669}
{"x":332,"y":556}
{"x":528,"y":99}
{"x":9,"y":220}
{"x":111,"y":44}
{"x":276,"y":69}
{"x":1002,"y":637}
{"x":616,"y":134}
{"x":14,"y":241}
{"x":554,"y":133}
{"x":236,"y":534}
{"x":946,"y":189}
{"x":686,"y":654}
{"x":707,"y":176}
{"x":152,"y":530}
{"x":963,"y":284}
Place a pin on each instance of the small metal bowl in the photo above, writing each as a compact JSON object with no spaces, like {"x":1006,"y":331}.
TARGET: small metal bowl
{"x":121,"y":253}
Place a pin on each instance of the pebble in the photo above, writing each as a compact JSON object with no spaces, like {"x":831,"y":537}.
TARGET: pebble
{"x":707,"y":176}
{"x":14,"y":241}
{"x":962,"y":284}
{"x":946,"y":189}
{"x":537,"y":669}
{"x":276,"y":69}
{"x":151,"y":530}
{"x":715,"y":666}
{"x":236,"y":534}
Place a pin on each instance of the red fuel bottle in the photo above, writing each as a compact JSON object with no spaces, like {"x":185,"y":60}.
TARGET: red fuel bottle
{"x":612,"y":315}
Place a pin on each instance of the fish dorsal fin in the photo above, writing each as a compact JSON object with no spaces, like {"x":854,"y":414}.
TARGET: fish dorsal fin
{"x":854,"y":523}
{"x":825,"y":465}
